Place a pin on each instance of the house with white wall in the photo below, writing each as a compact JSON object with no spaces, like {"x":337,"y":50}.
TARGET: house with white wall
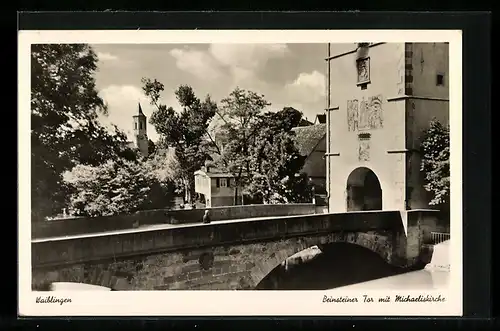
{"x":216,"y":187}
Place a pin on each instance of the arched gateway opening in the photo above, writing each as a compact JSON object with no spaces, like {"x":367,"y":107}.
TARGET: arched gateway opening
{"x":363,"y":190}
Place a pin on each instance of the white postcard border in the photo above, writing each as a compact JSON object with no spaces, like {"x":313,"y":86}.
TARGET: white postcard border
{"x":286,"y":303}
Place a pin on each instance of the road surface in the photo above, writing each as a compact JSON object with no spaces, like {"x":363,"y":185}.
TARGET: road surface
{"x":153,"y":227}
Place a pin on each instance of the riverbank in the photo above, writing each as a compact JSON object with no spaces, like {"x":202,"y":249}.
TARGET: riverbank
{"x":440,"y":257}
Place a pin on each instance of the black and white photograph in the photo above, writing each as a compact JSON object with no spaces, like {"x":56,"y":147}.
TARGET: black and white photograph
{"x":280,"y":173}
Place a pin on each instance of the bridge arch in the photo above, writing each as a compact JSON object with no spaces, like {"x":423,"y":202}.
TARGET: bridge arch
{"x":363,"y":190}
{"x":379,"y":243}
{"x":251,"y":264}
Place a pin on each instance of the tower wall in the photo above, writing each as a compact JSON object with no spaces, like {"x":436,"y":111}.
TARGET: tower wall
{"x":142,"y":144}
{"x":430,"y":99}
{"x":380,"y":124}
{"x":366,"y":128}
{"x":140,"y":133}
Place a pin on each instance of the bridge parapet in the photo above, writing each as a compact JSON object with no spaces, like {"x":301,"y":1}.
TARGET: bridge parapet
{"x":223,"y":255}
{"x":95,"y":247}
{"x":81,"y":225}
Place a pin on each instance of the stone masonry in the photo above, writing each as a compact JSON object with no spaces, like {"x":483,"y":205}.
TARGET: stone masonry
{"x":225,"y":256}
{"x":219,"y":268}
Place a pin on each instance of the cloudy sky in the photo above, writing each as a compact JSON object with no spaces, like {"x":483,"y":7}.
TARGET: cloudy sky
{"x":287,"y":74}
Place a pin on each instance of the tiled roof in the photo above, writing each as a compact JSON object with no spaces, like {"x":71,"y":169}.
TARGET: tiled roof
{"x":307,"y":137}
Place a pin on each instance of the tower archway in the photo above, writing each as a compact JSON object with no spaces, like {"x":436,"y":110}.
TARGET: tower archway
{"x":364,"y":191}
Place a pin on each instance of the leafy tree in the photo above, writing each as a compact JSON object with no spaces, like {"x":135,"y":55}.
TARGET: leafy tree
{"x":167,"y":169}
{"x":185,"y":131}
{"x":65,"y":130}
{"x":165,"y":166}
{"x":277,"y":175}
{"x":436,"y":162}
{"x":241,"y":112}
{"x":122,"y":186}
{"x":284,"y":120}
{"x":259,"y":150}
{"x":111,"y":188}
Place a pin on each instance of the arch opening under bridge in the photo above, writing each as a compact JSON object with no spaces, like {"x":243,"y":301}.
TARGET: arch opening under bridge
{"x":334,"y":265}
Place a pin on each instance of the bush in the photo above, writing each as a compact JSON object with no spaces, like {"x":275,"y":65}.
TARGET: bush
{"x":114,"y":187}
{"x":436,"y":162}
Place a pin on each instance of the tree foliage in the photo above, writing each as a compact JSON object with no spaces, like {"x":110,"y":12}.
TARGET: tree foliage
{"x":277,"y":175}
{"x":259,"y":150}
{"x":65,"y":130}
{"x":241,"y":112}
{"x":122,"y":186}
{"x":184,"y":130}
{"x":114,"y":187}
{"x":436,"y":162}
{"x":167,"y":169}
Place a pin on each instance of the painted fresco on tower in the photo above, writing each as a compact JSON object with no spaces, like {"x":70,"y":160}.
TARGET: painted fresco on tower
{"x":363,"y":70}
{"x":366,"y":114}
{"x":352,"y":115}
{"x":364,"y":150}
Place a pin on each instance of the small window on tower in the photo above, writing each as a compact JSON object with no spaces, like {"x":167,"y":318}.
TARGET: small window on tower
{"x":440,"y":80}
{"x":135,"y":125}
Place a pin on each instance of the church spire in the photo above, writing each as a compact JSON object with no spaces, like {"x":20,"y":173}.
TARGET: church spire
{"x":140,"y":131}
{"x":140,"y":109}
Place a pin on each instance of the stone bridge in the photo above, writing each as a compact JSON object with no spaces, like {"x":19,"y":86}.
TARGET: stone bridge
{"x":223,"y":255}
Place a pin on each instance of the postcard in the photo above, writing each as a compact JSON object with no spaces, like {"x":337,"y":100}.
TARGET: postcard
{"x":245,"y":172}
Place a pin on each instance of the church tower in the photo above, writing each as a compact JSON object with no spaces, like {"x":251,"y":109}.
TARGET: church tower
{"x":140,"y":132}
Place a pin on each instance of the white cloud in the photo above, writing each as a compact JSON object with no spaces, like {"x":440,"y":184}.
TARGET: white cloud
{"x":241,"y":74}
{"x":239,"y":60}
{"x":307,"y":87}
{"x":198,"y":63}
{"x":123,"y":102}
{"x":238,"y":64}
{"x":306,"y":93}
{"x":246,"y":56}
{"x":104,"y":56}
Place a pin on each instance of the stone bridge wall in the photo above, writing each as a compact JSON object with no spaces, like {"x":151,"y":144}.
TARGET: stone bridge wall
{"x":75,"y":226}
{"x":219,"y":268}
{"x":235,"y":255}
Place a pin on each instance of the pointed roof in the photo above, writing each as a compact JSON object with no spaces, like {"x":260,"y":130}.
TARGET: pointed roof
{"x":140,"y":111}
{"x":320,"y":119}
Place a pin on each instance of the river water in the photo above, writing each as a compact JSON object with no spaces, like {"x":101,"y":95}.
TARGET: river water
{"x":350,"y":266}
